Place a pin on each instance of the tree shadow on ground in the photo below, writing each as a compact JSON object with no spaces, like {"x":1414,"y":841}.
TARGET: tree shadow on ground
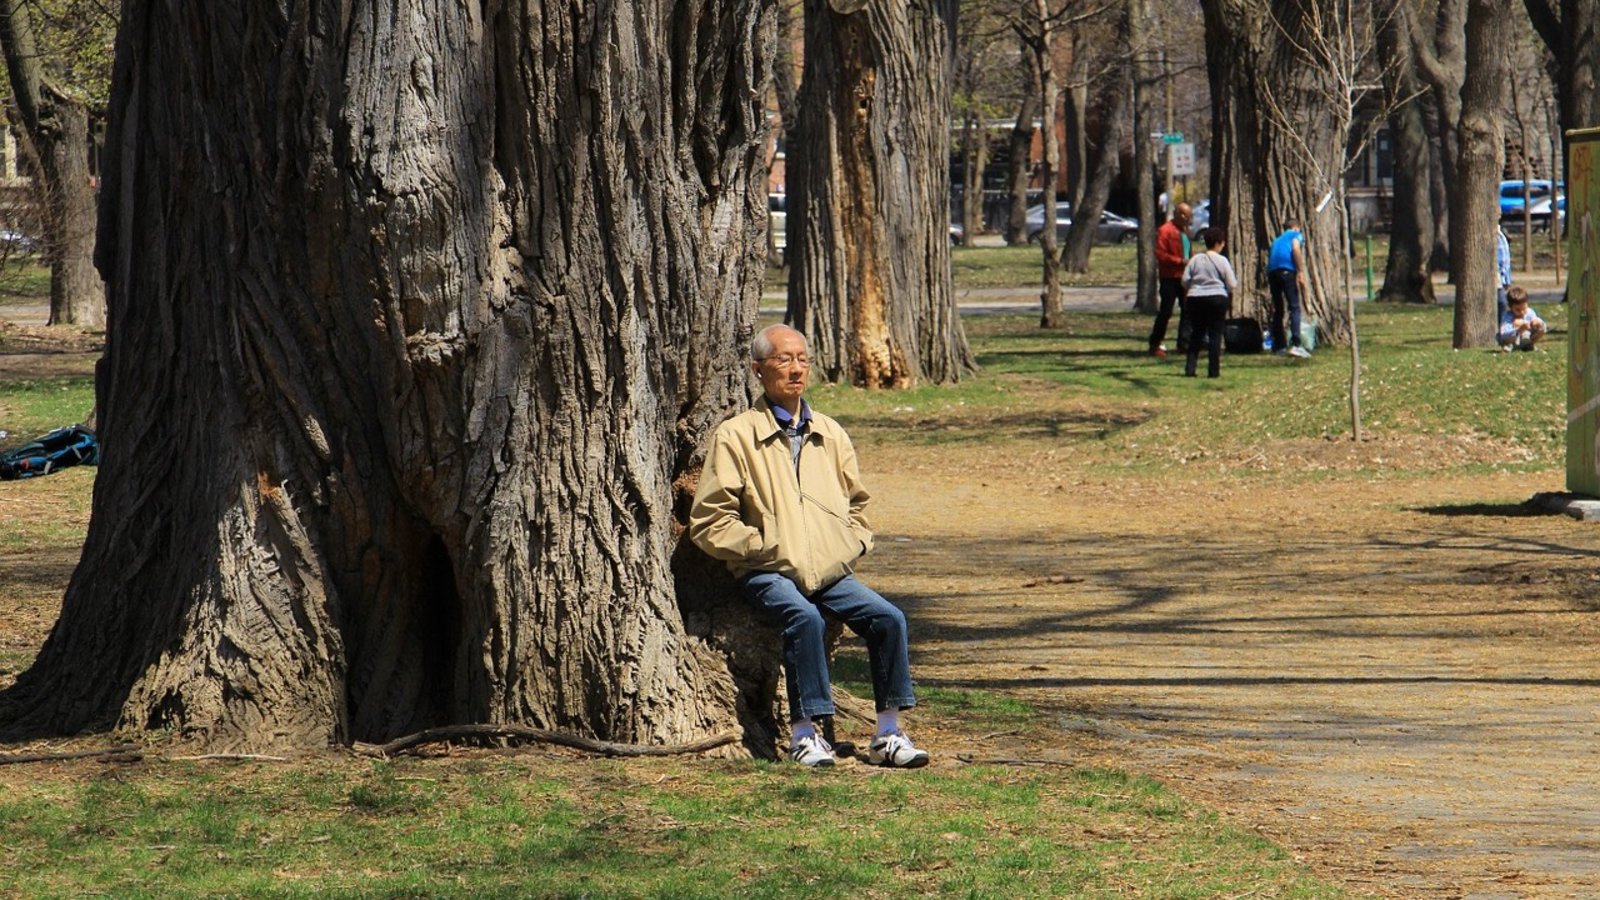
{"x":1512,"y":510}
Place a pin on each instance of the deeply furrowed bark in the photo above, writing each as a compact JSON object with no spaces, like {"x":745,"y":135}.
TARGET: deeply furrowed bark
{"x":420,"y":314}
{"x":1276,"y":150}
{"x":869,"y":197}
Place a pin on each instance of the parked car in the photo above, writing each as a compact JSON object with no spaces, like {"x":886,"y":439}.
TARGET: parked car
{"x":1113,"y":229}
{"x":1511,"y":196}
{"x":1539,"y":214}
{"x":1034,"y":220}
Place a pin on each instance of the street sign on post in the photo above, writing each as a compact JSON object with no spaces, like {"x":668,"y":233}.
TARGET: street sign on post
{"x":1172,"y":137}
{"x":1180,"y":159}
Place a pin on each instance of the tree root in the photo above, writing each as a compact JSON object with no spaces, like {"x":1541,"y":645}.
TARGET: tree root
{"x":537,"y":735}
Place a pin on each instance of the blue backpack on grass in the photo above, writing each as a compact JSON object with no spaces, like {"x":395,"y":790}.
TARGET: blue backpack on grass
{"x":73,"y":445}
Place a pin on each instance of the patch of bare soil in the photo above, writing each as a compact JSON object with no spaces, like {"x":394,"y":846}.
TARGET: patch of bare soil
{"x":1392,"y":676}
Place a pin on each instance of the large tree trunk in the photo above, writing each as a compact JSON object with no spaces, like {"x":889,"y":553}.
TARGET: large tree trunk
{"x":56,"y":131}
{"x":1407,"y":277}
{"x":1475,"y":206}
{"x":870,"y":211}
{"x":1234,"y":154}
{"x":1283,"y":155}
{"x":419,"y":312}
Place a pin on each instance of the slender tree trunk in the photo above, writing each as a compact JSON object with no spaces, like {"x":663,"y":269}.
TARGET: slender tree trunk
{"x":1050,"y":290}
{"x":1475,"y":214}
{"x":870,"y":286}
{"x":1022,"y":152}
{"x":1145,"y":297}
{"x":1440,"y":144}
{"x":1440,"y":54}
{"x":1075,"y":101}
{"x":56,"y":130}
{"x":1105,"y":160}
{"x":1407,"y":276}
{"x":975,"y":157}
{"x":418,"y":328}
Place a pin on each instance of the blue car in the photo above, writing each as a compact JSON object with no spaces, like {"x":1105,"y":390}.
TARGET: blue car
{"x":1511,"y":196}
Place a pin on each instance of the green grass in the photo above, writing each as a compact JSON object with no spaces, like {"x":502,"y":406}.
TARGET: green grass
{"x":560,"y":828}
{"x":1009,"y":267}
{"x":30,"y":408}
{"x":551,"y":825}
{"x":22,"y":280}
{"x":1089,"y":387}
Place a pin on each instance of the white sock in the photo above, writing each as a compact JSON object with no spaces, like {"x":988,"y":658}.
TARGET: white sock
{"x":800,"y":729}
{"x":888,"y":722}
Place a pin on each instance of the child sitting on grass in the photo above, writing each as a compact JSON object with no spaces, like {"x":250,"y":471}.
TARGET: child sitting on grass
{"x":1520,"y":327}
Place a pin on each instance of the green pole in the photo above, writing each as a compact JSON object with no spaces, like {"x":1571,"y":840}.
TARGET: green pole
{"x":1369,"y":268}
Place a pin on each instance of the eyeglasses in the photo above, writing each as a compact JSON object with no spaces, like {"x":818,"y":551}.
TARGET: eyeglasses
{"x":788,"y":361}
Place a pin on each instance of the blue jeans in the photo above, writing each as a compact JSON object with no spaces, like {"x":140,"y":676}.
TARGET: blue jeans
{"x":805,"y":658}
{"x":1285,"y":289}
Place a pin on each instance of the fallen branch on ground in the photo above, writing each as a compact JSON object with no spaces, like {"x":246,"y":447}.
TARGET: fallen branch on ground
{"x":539,"y":736}
{"x":1011,"y":761}
{"x":229,"y":757}
{"x":128,"y":751}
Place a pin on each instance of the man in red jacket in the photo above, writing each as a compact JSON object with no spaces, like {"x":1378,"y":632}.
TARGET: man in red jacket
{"x":1172,"y":254}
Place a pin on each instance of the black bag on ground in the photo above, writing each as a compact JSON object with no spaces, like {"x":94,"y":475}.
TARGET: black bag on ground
{"x":73,"y":445}
{"x":1242,"y":335}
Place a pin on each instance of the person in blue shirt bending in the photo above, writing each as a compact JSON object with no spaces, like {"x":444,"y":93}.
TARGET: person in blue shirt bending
{"x":1286,"y":275}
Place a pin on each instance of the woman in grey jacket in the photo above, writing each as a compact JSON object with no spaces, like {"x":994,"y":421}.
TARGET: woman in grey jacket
{"x":1209,"y":282}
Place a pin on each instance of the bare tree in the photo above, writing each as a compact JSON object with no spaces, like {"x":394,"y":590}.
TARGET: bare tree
{"x":1569,"y":29}
{"x":55,"y":129}
{"x":1142,"y":53}
{"x":1022,"y":147}
{"x":984,"y":88}
{"x":1281,"y":127}
{"x":1038,"y":31}
{"x":1408,"y":274}
{"x":1112,"y":91}
{"x":1477,"y":78}
{"x":420,"y":314}
{"x":869,"y":201}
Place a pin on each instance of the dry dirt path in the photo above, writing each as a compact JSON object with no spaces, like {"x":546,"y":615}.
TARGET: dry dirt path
{"x":1394,"y":678}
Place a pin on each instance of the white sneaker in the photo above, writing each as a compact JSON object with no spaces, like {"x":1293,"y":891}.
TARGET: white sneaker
{"x":895,"y":751}
{"x":812,"y":751}
{"x":1299,"y":352}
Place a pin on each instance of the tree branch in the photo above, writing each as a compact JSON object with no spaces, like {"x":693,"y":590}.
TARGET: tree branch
{"x":540,"y":736}
{"x":123,"y":752}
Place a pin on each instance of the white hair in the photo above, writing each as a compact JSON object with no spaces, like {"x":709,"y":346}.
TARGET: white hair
{"x":761,"y":344}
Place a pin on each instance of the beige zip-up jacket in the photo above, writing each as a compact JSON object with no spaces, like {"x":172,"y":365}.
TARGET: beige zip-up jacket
{"x":757,"y":513}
